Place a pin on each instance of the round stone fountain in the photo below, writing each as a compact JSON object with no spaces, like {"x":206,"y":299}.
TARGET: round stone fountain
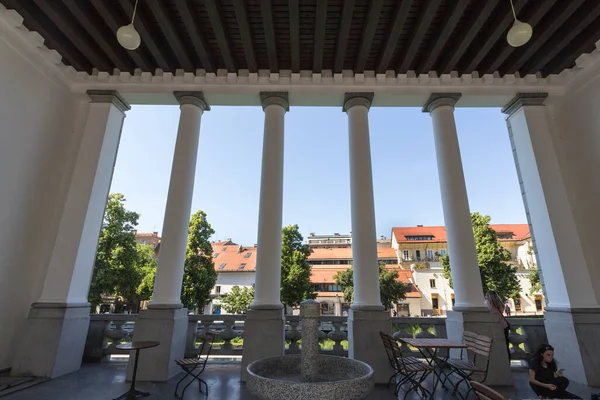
{"x":310,"y":374}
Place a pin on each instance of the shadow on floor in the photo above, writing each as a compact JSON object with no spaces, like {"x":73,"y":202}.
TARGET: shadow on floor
{"x":107,"y":381}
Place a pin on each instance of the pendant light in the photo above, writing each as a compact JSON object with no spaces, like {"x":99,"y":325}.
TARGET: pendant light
{"x":127,"y":35}
{"x":520,"y":32}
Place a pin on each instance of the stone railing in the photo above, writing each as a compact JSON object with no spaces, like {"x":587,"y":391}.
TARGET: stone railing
{"x":333,"y":328}
{"x":408,"y":327}
{"x":105,"y":332}
{"x":227,"y":327}
{"x":525,"y":336}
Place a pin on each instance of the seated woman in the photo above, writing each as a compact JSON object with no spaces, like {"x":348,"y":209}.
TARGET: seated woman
{"x":544,"y":377}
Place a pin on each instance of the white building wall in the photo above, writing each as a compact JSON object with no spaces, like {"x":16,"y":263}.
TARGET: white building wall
{"x":37,"y":146}
{"x":442,"y":289}
{"x":227,"y":280}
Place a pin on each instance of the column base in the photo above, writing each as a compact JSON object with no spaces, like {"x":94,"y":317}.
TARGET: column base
{"x":167,"y":326}
{"x":52,"y":340}
{"x":264,"y":336}
{"x":364,"y":342}
{"x":574,"y":335}
{"x":482,"y":322}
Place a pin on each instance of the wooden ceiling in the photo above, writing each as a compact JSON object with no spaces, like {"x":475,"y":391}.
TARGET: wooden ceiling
{"x":358,"y":35}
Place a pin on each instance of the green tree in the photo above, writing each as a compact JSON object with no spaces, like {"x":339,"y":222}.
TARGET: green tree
{"x":199,"y":270}
{"x":147,"y":267}
{"x":534,"y":279}
{"x":391,"y":289}
{"x":295,"y":269}
{"x":238,"y":300}
{"x":115,"y":268}
{"x":496,"y":273}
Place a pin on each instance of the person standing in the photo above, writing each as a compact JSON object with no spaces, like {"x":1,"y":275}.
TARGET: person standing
{"x":507,"y":310}
{"x":496,"y":306}
{"x":544,"y":378}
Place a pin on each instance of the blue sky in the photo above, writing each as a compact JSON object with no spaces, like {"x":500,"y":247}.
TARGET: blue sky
{"x":316,"y":180}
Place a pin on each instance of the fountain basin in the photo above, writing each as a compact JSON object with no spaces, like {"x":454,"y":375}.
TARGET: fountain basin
{"x":276,"y":378}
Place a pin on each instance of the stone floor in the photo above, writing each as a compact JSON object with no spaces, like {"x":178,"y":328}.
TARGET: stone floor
{"x":107,"y":381}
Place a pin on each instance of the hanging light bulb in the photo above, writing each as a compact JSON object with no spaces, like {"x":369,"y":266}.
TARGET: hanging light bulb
{"x":520,"y":32}
{"x":127,"y":35}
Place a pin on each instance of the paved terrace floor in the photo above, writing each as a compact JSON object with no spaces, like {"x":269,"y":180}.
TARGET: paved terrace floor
{"x":107,"y":381}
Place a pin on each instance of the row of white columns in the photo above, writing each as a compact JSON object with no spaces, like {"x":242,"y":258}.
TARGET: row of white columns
{"x":465,"y":271}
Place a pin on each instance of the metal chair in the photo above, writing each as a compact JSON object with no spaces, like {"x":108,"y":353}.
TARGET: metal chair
{"x":477,"y":345}
{"x":195,"y":366}
{"x":483,"y":392}
{"x":411,"y":369}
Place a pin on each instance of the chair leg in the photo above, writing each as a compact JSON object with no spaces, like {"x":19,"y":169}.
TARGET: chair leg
{"x":187,"y":373}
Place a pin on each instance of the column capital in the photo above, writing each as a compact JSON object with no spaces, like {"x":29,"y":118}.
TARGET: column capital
{"x":277,"y":98}
{"x":524,"y":99}
{"x":352,"y":99}
{"x":193,"y":98}
{"x":109,"y":96}
{"x":436,"y":100}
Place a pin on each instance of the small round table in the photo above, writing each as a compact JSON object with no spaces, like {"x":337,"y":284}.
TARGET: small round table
{"x":132,"y":393}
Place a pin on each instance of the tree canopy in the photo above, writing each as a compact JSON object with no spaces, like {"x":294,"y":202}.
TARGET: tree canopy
{"x":295,"y":269}
{"x":116,"y":269}
{"x":147,"y":266}
{"x":238,"y":300}
{"x":199,"y":270}
{"x":391,"y":289}
{"x":536,"y":283}
{"x":496,"y":273}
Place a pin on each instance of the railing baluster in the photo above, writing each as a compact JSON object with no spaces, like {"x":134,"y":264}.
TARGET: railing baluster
{"x":293,"y":335}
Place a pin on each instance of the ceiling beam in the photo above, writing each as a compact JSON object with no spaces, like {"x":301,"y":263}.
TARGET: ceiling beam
{"x":81,"y":42}
{"x":344,"y":33}
{"x":320,"y":20}
{"x":66,"y":49}
{"x":527,"y":51}
{"x":498,"y":33}
{"x":565,"y":36}
{"x":423,"y":24}
{"x":241,"y":15}
{"x":75,"y":7}
{"x":198,"y":41}
{"x":269,"y":29}
{"x":294,"y":10}
{"x":214,"y":15}
{"x":147,"y":39}
{"x":569,"y":56}
{"x":393,"y":36}
{"x":164,"y":22}
{"x":479,"y":18}
{"x":109,"y":19}
{"x":374,"y":12}
{"x":440,"y":41}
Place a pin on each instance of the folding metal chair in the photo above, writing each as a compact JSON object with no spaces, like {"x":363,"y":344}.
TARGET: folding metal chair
{"x":411,"y":369}
{"x":476,"y":345}
{"x":195,"y":366}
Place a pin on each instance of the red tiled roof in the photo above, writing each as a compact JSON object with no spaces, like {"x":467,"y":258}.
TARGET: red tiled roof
{"x":232,"y":256}
{"x":520,"y":231}
{"x":345,"y":253}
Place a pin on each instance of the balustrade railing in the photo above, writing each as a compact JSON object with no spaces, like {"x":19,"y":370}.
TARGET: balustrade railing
{"x":525,"y":336}
{"x":106,"y":331}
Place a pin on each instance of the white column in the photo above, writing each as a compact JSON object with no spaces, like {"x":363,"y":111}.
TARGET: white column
{"x":268,"y":261}
{"x":466,"y":277}
{"x":70,"y":270}
{"x":169,"y":272}
{"x":364,"y":237}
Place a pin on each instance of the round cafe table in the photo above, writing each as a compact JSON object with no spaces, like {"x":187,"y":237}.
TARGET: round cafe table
{"x":132,"y":393}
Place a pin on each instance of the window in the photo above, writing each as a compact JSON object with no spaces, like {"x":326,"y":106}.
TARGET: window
{"x":418,"y":254}
{"x":443,"y":252}
{"x":218,"y":289}
{"x":216,"y":309}
{"x":538,"y":303}
{"x":517,"y":304}
{"x":435,"y":302}
{"x":452,"y":296}
{"x":432,"y":283}
{"x":430,"y":254}
{"x":248,"y":255}
{"x":215,"y":255}
{"x":406,"y":255}
{"x":224,"y":248}
{"x":242,"y":266}
{"x":419,"y":237}
{"x":222,"y":266}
